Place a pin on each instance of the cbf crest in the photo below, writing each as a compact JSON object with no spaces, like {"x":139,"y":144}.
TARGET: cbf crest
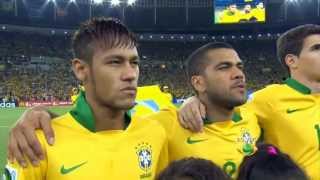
{"x":144,"y":154}
{"x":247,"y":142}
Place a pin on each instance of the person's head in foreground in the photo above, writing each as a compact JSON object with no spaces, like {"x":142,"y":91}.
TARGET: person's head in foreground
{"x":268,"y":163}
{"x":192,"y":169}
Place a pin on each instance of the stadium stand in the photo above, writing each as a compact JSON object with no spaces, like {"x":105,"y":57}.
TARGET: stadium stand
{"x":29,"y":64}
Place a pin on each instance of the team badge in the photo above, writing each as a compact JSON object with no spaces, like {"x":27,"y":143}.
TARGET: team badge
{"x":247,"y":142}
{"x":144,"y":154}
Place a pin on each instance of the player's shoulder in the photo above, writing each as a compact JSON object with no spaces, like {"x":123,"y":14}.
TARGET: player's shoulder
{"x":246,"y":113}
{"x":150,"y":124}
{"x":270,"y":89}
{"x":65,"y":119}
{"x":269,"y":92}
{"x":166,"y":118}
{"x":58,"y":122}
{"x":165,"y":113}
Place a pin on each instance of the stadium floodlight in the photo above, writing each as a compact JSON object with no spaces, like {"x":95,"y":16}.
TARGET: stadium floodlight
{"x":72,"y":1}
{"x":97,"y":1}
{"x":131,"y":2}
{"x":291,"y":1}
{"x":115,"y":2}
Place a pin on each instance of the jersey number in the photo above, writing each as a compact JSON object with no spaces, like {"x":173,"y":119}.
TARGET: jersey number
{"x":318,"y":133}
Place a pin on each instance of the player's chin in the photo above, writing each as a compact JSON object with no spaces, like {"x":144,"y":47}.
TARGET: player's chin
{"x":126,"y":103}
{"x":239,"y":100}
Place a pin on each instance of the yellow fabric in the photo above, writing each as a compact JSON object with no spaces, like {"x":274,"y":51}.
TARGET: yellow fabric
{"x":289,"y":120}
{"x":221,"y":142}
{"x":106,"y":155}
{"x":246,"y":16}
{"x":74,"y":98}
{"x":260,"y":14}
{"x":226,"y":17}
{"x":150,"y":99}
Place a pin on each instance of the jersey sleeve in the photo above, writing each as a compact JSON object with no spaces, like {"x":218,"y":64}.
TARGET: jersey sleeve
{"x":260,"y":104}
{"x":13,"y":171}
{"x":167,"y":118}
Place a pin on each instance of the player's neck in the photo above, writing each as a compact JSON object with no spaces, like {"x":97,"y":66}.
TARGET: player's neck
{"x":107,"y":118}
{"x":313,"y":85}
{"x":216,"y":112}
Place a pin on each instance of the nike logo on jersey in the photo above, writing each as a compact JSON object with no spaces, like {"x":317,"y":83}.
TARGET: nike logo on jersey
{"x":193,"y":141}
{"x":64,"y":170}
{"x":289,"y":111}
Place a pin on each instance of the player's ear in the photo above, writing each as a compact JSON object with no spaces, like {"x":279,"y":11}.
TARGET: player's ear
{"x":80,"y":69}
{"x":291,"y":61}
{"x":198,"y":83}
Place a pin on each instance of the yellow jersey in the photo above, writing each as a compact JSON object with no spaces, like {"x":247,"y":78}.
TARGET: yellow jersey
{"x":259,"y":13}
{"x":228,"y":17}
{"x":82,"y":153}
{"x":224,"y":143}
{"x":246,"y":16}
{"x":290,"y":118}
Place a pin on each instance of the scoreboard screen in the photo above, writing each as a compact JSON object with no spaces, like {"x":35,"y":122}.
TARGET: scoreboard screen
{"x":239,"y":11}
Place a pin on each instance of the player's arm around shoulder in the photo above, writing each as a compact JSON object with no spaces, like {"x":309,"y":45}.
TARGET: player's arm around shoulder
{"x":14,"y":171}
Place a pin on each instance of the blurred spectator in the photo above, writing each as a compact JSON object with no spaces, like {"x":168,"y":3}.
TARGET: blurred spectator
{"x":38,"y":67}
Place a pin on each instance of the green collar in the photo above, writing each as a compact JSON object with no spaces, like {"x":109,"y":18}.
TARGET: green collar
{"x":83,"y":114}
{"x":236,"y":117}
{"x":297,"y":86}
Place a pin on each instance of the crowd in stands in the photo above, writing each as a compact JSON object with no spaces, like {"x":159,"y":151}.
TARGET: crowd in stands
{"x":37,"y":67}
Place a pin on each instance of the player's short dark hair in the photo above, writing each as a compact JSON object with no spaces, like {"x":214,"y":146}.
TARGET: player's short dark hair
{"x":291,"y":42}
{"x":197,"y":61}
{"x":103,"y":33}
{"x":269,"y":163}
{"x":193,"y":169}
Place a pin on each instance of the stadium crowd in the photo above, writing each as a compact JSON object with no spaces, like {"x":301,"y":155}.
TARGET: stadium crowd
{"x":37,"y":67}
